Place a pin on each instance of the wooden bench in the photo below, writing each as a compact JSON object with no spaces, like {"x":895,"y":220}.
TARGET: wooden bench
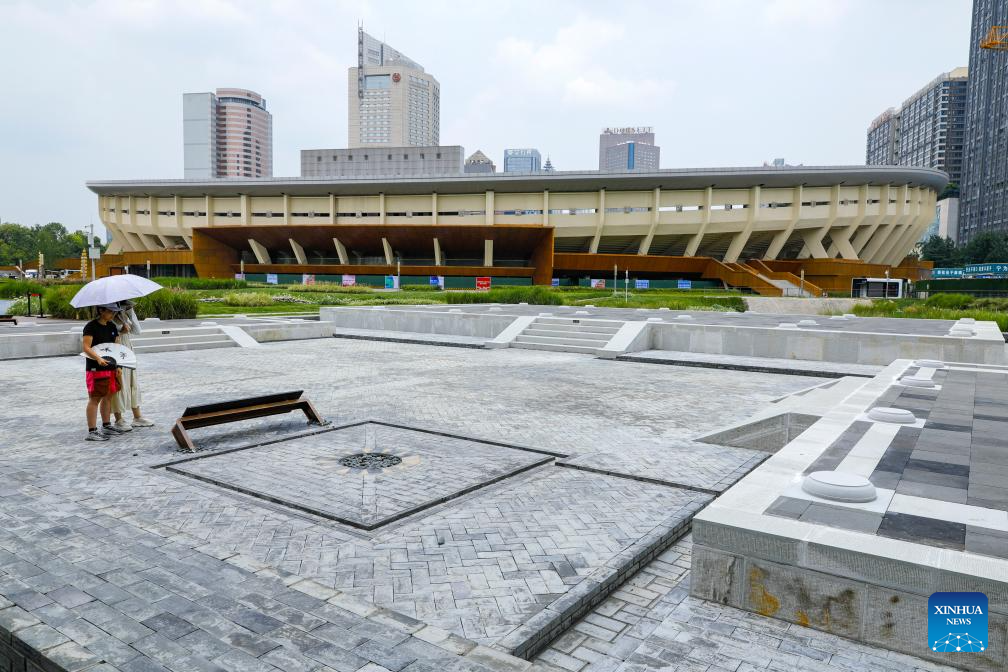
{"x":241,"y":409}
{"x":8,"y":318}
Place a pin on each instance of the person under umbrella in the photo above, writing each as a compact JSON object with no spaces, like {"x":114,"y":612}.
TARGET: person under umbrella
{"x":128,"y":396}
{"x":100,"y":373}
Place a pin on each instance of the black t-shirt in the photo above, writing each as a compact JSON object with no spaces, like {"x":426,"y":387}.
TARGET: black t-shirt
{"x":100,"y":333}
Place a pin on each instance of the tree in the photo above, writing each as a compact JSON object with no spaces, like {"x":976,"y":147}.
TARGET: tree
{"x":22,"y":243}
{"x":951,"y":190}
{"x":942,"y":251}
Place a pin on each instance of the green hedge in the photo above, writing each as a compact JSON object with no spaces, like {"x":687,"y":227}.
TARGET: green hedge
{"x":57,"y":303}
{"x":166,"y":304}
{"x":201,"y":283}
{"x":12,"y":289}
{"x":536,"y":295}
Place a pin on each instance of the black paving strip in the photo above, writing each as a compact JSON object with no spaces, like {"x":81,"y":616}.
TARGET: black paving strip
{"x":757,"y":368}
{"x":922,"y":530}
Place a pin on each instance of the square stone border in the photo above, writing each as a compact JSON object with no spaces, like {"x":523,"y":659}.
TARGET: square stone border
{"x":170,"y":467}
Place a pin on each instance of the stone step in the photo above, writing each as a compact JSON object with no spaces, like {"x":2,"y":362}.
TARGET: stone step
{"x":556,"y":347}
{"x":179,"y":337}
{"x":552,"y":333}
{"x":223,"y":342}
{"x":571,"y":341}
{"x":186,"y":332}
{"x":601,"y":326}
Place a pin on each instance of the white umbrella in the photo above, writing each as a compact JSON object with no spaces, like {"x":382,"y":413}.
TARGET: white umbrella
{"x":113,"y":289}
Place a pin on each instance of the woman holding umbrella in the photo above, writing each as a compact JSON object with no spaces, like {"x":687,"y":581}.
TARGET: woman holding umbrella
{"x":101,"y":374}
{"x":128,"y":396}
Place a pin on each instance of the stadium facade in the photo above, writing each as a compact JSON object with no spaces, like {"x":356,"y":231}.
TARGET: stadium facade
{"x":752,"y":228}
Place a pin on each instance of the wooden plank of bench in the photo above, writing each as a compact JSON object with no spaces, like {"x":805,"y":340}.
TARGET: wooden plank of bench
{"x":232,"y":413}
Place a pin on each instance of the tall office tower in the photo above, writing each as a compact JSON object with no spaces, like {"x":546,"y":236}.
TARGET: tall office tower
{"x":227,"y":134}
{"x":926,"y":131}
{"x":392,"y":101}
{"x":479,"y":162}
{"x":522,"y":160}
{"x":639,"y":135}
{"x":883,"y":139}
{"x":631,"y":156}
{"x":983,"y":195}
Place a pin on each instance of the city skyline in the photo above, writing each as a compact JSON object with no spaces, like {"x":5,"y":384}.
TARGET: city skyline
{"x":584,"y":63}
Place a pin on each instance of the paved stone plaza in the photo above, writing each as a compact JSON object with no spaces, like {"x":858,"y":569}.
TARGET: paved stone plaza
{"x":442,"y":561}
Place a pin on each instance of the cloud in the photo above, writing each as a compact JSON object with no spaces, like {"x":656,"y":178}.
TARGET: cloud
{"x":803,"y":12}
{"x":578,"y":63}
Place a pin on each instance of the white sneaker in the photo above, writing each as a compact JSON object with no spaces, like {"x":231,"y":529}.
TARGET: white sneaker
{"x":124,"y":426}
{"x":142,"y":422}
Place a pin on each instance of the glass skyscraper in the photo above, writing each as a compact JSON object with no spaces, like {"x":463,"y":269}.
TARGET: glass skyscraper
{"x":984,"y":190}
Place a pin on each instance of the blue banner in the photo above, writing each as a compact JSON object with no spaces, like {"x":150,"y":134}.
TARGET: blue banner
{"x":997,"y":268}
{"x":684,"y":284}
{"x":947,"y":273}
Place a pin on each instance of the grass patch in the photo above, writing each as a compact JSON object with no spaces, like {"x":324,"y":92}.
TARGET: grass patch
{"x":987,"y":310}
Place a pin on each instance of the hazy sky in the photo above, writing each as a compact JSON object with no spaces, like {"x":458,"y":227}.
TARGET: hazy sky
{"x":93,"y":89}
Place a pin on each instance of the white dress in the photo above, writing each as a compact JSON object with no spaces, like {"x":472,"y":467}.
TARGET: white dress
{"x":128,"y":396}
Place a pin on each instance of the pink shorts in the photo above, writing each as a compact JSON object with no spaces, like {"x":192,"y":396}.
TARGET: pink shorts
{"x":101,"y":383}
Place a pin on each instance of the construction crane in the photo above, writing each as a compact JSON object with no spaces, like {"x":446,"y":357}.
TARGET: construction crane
{"x":997,"y":39}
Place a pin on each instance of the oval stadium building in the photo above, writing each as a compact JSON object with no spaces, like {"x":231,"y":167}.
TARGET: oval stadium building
{"x":749,"y":228}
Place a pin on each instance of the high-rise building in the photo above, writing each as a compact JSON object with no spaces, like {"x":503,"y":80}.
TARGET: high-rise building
{"x":522,"y":160}
{"x":926,"y":131}
{"x":613,"y":155}
{"x":226,"y":134}
{"x":631,"y":156}
{"x":883,"y":139}
{"x":548,"y":166}
{"x":479,"y":162}
{"x":983,"y":204}
{"x":366,"y":162}
{"x":392,"y":101}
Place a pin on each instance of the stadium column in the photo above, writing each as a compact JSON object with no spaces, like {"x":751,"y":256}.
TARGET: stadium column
{"x":179,"y":219}
{"x":433,"y":207}
{"x":246,"y":211}
{"x":488,"y":253}
{"x":862,"y":237}
{"x":903,"y":225}
{"x":298,"y":251}
{"x":742,"y":237}
{"x":155,"y":220}
{"x":919,"y":219}
{"x":545,"y":208}
{"x":488,"y":208}
{"x":437,"y":253}
{"x":381,"y":208}
{"x":600,"y":222}
{"x":871,"y":251}
{"x":208,"y":206}
{"x":388,"y":251}
{"x":645,"y":244}
{"x":287,"y":210}
{"x":340,"y":251}
{"x":259,"y":250}
{"x":813,"y":237}
{"x":332,"y":208}
{"x":694,"y":243}
{"x":841,"y":239}
{"x":777,"y":244}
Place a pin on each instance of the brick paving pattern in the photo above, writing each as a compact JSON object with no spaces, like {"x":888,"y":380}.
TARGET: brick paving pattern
{"x":104,"y":558}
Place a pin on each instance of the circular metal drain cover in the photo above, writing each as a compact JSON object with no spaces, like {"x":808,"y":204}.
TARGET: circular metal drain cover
{"x":370,"y":461}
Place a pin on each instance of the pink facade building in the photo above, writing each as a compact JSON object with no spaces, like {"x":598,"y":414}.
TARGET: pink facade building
{"x":227,"y":134}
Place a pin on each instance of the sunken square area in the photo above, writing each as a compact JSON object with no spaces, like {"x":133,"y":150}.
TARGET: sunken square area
{"x":364,"y":475}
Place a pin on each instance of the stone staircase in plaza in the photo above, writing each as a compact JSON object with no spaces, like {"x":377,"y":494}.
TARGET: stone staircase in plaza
{"x":567,"y":334}
{"x":188,"y":338}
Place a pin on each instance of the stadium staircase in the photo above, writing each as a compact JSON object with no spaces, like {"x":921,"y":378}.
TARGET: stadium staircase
{"x":567,"y":334}
{"x":185,"y":338}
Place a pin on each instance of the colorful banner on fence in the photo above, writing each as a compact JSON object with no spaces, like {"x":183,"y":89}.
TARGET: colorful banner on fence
{"x":307,"y":278}
{"x":597,"y":284}
{"x":482,"y":283}
{"x":684,"y":284}
{"x":271,"y":278}
{"x":349,"y":280}
{"x":642,"y":284}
